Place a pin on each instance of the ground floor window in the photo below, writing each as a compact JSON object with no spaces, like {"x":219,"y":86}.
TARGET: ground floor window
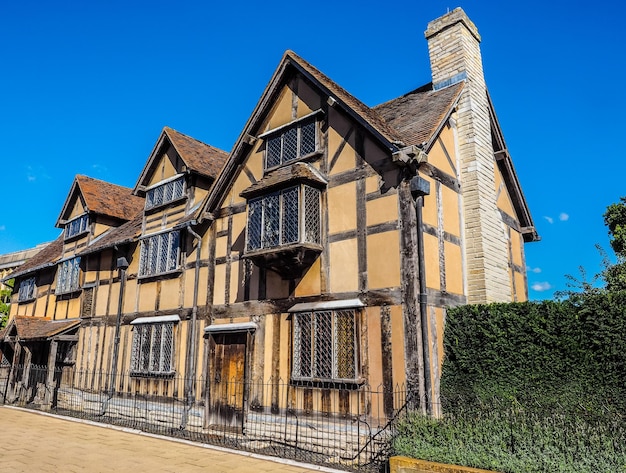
{"x":325,"y":345}
{"x":153,"y":349}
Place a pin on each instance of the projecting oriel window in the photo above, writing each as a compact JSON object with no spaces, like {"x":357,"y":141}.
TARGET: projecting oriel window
{"x":287,"y":216}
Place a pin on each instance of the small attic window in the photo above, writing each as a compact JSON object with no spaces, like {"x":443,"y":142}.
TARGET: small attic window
{"x":77,"y":226}
{"x":293,"y":141}
{"x":165,"y":192}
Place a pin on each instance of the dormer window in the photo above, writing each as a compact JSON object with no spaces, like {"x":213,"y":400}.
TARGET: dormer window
{"x":165,"y":192}
{"x":77,"y":226}
{"x":291,"y":142}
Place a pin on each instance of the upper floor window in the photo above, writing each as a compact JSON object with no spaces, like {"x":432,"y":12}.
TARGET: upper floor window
{"x":27,"y":290}
{"x":287,"y":216}
{"x":325,"y":345}
{"x":165,"y":192}
{"x":159,"y":253}
{"x":77,"y":226}
{"x":152,"y":350}
{"x":67,"y":276}
{"x":291,"y":142}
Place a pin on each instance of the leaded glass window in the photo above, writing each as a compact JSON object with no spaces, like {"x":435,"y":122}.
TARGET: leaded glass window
{"x":77,"y":226}
{"x":159,"y":253}
{"x":325,"y":345}
{"x":153,"y":349}
{"x":164,"y":193}
{"x":287,"y":216}
{"x":294,"y":142}
{"x":26,"y":290}
{"x":67,"y":276}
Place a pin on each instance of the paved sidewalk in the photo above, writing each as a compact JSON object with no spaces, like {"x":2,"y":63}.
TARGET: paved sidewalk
{"x":34,"y":442}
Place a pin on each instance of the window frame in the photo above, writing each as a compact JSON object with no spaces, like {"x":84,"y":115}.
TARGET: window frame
{"x":282,"y":131}
{"x":27,"y":290}
{"x":306,"y":232}
{"x":317,"y":353}
{"x":146,"y":360}
{"x":164,"y":184}
{"x":68,"y":276}
{"x":83,"y":223}
{"x":149,"y":251}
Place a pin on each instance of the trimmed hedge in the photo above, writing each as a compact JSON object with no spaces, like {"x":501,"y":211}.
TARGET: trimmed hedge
{"x":530,"y":387}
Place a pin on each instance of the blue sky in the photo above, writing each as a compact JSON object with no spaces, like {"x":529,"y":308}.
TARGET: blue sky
{"x":88,"y":86}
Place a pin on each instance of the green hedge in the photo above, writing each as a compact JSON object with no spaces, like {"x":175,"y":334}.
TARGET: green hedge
{"x":530,"y":387}
{"x":567,"y":352}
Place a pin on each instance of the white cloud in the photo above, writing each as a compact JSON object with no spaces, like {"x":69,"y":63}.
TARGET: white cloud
{"x":533,"y":270}
{"x":549,"y":219}
{"x":563,"y":217}
{"x":35,"y":174}
{"x":541,"y":286}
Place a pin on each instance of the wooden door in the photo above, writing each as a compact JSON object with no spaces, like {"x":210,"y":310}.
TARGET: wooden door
{"x":227,"y":381}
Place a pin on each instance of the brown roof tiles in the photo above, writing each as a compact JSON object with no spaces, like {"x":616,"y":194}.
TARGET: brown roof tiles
{"x":198,"y":156}
{"x":31,"y":328}
{"x":109,"y":199}
{"x":46,"y":257}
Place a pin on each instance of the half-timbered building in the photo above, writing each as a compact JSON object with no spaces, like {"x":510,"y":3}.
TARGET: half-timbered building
{"x":305,"y":270}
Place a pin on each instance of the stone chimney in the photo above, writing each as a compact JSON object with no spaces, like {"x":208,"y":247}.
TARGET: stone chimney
{"x":454,"y":49}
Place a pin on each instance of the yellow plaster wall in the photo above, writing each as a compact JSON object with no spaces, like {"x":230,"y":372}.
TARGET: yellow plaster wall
{"x":437,"y":156}
{"x":267,"y":355}
{"x":504,"y":199}
{"x":147,"y":296}
{"x":163,"y":169}
{"x":73,"y":311}
{"x":337,"y":132}
{"x":397,"y":343}
{"x":170,"y":292}
{"x":219,"y":285}
{"x":382,"y":210}
{"x":235,"y":280}
{"x":101,"y":298}
{"x":451,"y":214}
{"x":310,"y":284}
{"x":516,"y":247}
{"x":431,"y":256}
{"x":78,"y":207}
{"x":130,"y":291}
{"x":277,"y":288}
{"x":308,"y":99}
{"x":429,"y":209}
{"x":343,"y":266}
{"x":454,"y":268}
{"x":281,"y":112}
{"x":372,"y":184}
{"x":341,"y":208}
{"x":383,"y":260}
{"x":520,"y":286}
{"x":374,"y":348}
{"x":242,"y":181}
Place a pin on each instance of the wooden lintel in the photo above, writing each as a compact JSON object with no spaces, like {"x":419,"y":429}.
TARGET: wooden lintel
{"x":65,"y":338}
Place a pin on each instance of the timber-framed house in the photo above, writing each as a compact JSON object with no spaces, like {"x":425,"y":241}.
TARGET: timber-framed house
{"x":308,"y":267}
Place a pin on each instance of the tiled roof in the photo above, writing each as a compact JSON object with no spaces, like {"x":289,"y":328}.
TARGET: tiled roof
{"x":198,"y":156}
{"x":417,"y":115}
{"x":302,"y":172}
{"x":46,"y":257}
{"x":370,"y":115}
{"x":125,"y":233}
{"x":109,"y":199}
{"x":31,"y":328}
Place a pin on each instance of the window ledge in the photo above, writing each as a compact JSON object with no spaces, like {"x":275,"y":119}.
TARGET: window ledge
{"x":165,"y":275}
{"x":165,"y":204}
{"x":77,"y":236}
{"x":293,"y":172}
{"x":328,"y":383}
{"x":27,"y":301}
{"x":290,"y":261}
{"x":68,"y":294}
{"x":141,"y":374}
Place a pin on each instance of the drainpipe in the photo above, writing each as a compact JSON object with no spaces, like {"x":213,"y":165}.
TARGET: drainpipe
{"x":122,"y":265}
{"x":419,"y":188}
{"x":191,"y":361}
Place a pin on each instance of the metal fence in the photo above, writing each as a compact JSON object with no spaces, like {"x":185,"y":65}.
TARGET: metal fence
{"x":343,"y":426}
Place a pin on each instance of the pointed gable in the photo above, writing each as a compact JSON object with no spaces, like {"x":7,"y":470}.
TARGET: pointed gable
{"x":99,"y":197}
{"x":190,"y":155}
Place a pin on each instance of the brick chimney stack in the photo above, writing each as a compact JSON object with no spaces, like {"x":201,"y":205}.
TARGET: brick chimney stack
{"x":454,"y":49}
